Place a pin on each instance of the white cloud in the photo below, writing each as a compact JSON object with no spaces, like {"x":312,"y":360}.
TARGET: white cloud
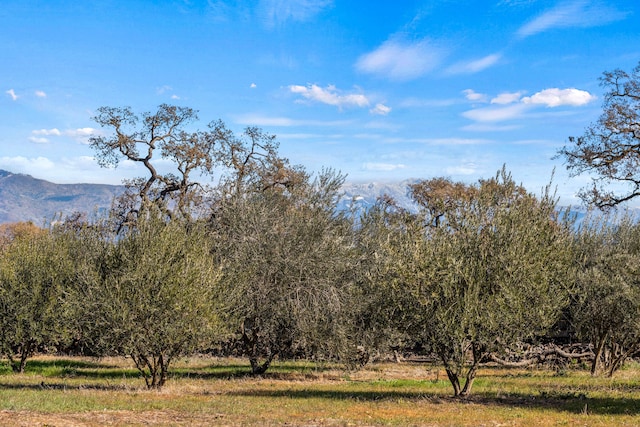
{"x":47,"y":132}
{"x":580,"y":13}
{"x":380,"y":109}
{"x":20,"y":164}
{"x":40,"y":94}
{"x":474,"y":66}
{"x":507,"y":98}
{"x":484,"y":127}
{"x":400,"y":60}
{"x":12,"y":94}
{"x":382,"y":167}
{"x":81,"y":135}
{"x":330,"y":96}
{"x":278,"y":12}
{"x":262,"y":120}
{"x":510,"y":105}
{"x":555,"y":97}
{"x":496,"y":114}
{"x":417,"y":102}
{"x":163,"y":89}
{"x":175,"y":97}
{"x":462,"y":170}
{"x":39,"y":140}
{"x":474,"y":96}
{"x":253,"y":86}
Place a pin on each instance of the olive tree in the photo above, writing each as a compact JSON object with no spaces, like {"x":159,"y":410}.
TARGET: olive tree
{"x":149,"y":294}
{"x":485,"y":266}
{"x":610,"y":147}
{"x":35,"y":267}
{"x":606,"y":303}
{"x":284,"y":253}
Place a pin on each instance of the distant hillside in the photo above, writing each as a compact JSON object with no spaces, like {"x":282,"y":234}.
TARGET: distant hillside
{"x":24,"y":198}
{"x":364,"y":195}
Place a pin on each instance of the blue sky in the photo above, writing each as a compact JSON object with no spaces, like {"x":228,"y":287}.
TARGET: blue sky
{"x":382,"y":91}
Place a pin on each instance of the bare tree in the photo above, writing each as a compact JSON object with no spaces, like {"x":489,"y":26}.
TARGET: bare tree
{"x":150,"y":137}
{"x":610,"y":148}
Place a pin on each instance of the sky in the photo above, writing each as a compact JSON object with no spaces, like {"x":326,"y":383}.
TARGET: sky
{"x":381,"y":91}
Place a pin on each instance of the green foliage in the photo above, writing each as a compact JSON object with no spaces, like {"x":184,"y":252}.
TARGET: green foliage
{"x":284,"y":252}
{"x":34,"y":269}
{"x":478,"y":269}
{"x":150,"y":295}
{"x":606,"y":306}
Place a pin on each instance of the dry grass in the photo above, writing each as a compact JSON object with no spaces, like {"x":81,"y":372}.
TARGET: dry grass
{"x":207,"y":391}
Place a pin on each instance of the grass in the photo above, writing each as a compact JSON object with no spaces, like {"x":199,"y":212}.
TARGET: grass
{"x":208,"y":391}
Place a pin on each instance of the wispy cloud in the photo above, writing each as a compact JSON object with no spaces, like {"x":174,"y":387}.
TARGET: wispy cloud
{"x":446,"y":142}
{"x":40,"y":94}
{"x":12,"y":94}
{"x":330,"y":95}
{"x":474,"y":96}
{"x":475,"y":66}
{"x":80,"y":134}
{"x":382,"y":167}
{"x":555,"y":97}
{"x":511,"y":105}
{"x":581,"y":13}
{"x":507,"y":98}
{"x":22,"y":164}
{"x":466,"y":169}
{"x":401,"y":60}
{"x":264,"y":120}
{"x":278,"y":12}
{"x":47,"y":132}
{"x":495,"y":114}
{"x":486,"y":127}
{"x":39,"y":139}
{"x":380,"y":110}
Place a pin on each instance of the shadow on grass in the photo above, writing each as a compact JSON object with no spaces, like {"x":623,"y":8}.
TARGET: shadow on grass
{"x":54,"y":366}
{"x":569,"y":402}
{"x":63,"y":387}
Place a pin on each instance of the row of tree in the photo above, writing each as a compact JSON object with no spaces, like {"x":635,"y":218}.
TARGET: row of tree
{"x":263,"y":264}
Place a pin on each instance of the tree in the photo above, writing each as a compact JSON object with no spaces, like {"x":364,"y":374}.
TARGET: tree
{"x":485,"y":267}
{"x":148,"y":294}
{"x":35,"y":267}
{"x":284,"y":252}
{"x":146,"y":140}
{"x":610,"y":148}
{"x":606,"y":302}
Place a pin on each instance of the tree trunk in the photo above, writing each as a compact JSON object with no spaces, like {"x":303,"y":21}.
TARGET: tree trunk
{"x":258,"y":368}
{"x":25,"y":351}
{"x":471,"y":375}
{"x":455,"y":381}
{"x":599,"y":349}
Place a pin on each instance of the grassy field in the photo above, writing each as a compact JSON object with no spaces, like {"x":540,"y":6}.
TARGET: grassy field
{"x":206,"y":391}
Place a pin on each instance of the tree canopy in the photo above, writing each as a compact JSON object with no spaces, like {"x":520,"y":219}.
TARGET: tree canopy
{"x":609,"y":150}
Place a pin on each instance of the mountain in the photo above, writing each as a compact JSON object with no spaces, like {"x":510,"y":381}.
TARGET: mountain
{"x":24,"y":198}
{"x":361,"y":196}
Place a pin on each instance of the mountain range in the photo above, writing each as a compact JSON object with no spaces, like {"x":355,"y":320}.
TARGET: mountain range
{"x":25,"y":198}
